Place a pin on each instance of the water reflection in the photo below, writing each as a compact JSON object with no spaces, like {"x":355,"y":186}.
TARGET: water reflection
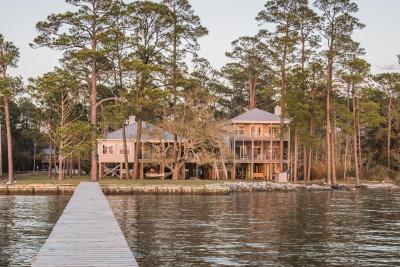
{"x":25,"y":223}
{"x":263,"y":229}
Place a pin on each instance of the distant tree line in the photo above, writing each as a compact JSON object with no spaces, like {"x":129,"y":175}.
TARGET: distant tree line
{"x":141,"y":58}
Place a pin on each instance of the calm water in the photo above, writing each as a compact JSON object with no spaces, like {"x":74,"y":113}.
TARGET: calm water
{"x":25,"y":223}
{"x":263,"y":229}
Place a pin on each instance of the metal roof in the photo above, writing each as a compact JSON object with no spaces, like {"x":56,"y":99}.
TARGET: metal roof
{"x":149,"y":132}
{"x":258,"y":116}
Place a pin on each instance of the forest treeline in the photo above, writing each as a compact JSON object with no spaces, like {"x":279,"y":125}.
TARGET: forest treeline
{"x":141,"y":58}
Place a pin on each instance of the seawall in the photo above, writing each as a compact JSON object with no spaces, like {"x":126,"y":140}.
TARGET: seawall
{"x":223,"y":188}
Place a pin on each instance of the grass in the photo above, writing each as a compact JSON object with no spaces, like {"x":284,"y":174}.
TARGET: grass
{"x":42,"y":178}
{"x":35,"y":179}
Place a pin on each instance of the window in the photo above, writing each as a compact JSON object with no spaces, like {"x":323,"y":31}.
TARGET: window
{"x":274,"y":131}
{"x":108,"y":149}
{"x":239,"y":129}
{"x":256,"y":130}
{"x":128,"y":149}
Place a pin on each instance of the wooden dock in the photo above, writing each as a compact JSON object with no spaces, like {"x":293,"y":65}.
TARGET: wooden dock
{"x":87,"y":234}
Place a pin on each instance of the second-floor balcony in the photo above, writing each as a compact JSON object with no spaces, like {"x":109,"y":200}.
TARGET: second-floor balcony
{"x":259,"y":135}
{"x":258,"y":150}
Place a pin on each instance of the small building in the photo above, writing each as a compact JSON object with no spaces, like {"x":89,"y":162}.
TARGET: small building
{"x":111,"y":154}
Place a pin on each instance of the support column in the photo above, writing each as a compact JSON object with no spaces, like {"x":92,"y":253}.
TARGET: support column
{"x":183,"y":170}
{"x":101,"y":173}
{"x":141,"y":175}
{"x":252,"y":171}
{"x":252,"y":149}
{"x":162,"y":166}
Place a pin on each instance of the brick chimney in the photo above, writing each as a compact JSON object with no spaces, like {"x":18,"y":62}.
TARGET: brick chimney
{"x":277,"y":110}
{"x":131,"y":120}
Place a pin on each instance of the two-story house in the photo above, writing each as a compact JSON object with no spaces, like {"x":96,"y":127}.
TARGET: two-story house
{"x":254,"y":143}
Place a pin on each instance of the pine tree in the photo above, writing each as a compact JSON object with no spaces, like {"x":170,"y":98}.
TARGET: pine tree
{"x":9,"y":55}
{"x":281,"y":14}
{"x":81,"y":34}
{"x":337,"y":26}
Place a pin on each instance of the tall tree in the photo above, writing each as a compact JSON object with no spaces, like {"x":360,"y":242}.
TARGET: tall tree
{"x":9,"y":56}
{"x":81,"y":34}
{"x":148,"y":35}
{"x":389,"y":83}
{"x":306,"y":25}
{"x":185,"y":31}
{"x":338,"y":24}
{"x":57,"y":94}
{"x":282,"y":15}
{"x":355,"y":73}
{"x":250,"y":55}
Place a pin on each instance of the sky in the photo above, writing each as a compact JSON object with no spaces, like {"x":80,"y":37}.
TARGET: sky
{"x":226,"y":20}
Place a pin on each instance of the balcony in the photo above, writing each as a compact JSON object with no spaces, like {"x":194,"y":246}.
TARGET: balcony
{"x":258,"y":135}
{"x":260,"y":157}
{"x":257,"y":150}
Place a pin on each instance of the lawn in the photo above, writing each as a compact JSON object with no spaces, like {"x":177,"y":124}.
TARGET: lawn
{"x":42,"y":178}
{"x":31,"y":179}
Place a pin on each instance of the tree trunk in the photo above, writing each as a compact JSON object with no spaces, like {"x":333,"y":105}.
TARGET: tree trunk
{"x":79,"y":166}
{"x":355,"y":145}
{"x":282,"y":102}
{"x":50,"y":156}
{"x":55,"y":161}
{"x":9,"y":140}
{"x":389,"y":132}
{"x":175,"y":171}
{"x":252,"y":92}
{"x":225,"y":171}
{"x":71,"y":167}
{"x":359,"y":137}
{"x":333,"y":157}
{"x":304,"y":162}
{"x":138,"y":147}
{"x":309,"y":165}
{"x":125,"y":148}
{"x":328,"y":119}
{"x":296,"y":155}
{"x":60,"y":168}
{"x":346,"y":148}
{"x":93,"y":116}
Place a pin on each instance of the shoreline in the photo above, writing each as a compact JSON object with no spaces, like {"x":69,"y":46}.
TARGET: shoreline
{"x":223,"y":188}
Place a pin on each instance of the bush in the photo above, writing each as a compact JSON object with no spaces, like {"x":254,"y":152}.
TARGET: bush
{"x":378,"y":173}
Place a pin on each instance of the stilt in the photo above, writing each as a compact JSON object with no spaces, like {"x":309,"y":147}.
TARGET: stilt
{"x":233,"y":171}
{"x":183,"y":170}
{"x":120,"y":170}
{"x":141,"y":170}
{"x":162,"y":171}
{"x":251,"y":171}
{"x":100,"y":174}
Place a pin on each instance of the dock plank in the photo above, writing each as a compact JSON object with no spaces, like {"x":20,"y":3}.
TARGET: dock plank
{"x":87,"y":234}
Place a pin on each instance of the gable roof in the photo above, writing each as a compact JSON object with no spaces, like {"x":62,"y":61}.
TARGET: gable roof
{"x":148,"y":133}
{"x":258,"y":116}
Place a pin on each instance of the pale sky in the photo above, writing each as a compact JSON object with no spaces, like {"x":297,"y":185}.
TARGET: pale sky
{"x":226,"y":20}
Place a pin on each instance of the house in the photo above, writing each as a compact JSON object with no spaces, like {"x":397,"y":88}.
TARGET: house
{"x":111,"y":154}
{"x":253,"y":139}
{"x":254,"y":144}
